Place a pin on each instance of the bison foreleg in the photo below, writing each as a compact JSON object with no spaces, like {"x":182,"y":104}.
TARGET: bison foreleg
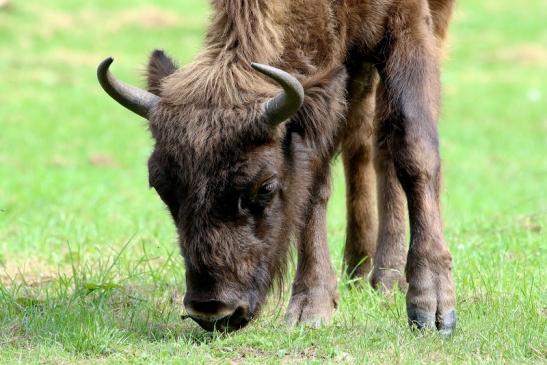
{"x":410,"y":73}
{"x":314,"y":291}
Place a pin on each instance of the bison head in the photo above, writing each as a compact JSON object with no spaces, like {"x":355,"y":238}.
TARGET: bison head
{"x":225,"y":171}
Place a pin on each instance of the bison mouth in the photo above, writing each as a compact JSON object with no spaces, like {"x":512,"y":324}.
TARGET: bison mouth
{"x":230,"y":323}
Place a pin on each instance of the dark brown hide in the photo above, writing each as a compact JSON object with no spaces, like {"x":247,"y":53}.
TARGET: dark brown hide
{"x":239,"y":190}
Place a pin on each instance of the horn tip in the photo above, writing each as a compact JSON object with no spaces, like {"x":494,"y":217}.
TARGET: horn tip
{"x":259,"y":66}
{"x":102,"y":69}
{"x":106,"y":62}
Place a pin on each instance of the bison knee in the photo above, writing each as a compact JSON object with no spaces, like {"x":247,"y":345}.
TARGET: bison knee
{"x":416,"y":155}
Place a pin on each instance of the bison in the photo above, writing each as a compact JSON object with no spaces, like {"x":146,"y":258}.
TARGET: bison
{"x":244,"y":138}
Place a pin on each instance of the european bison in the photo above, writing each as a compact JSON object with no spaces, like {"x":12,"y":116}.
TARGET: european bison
{"x":243,"y":150}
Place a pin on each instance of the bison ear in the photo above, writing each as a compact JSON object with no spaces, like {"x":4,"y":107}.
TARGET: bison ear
{"x":159,"y":66}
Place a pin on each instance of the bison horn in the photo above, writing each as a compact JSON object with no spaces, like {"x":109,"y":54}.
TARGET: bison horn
{"x":287,"y":103}
{"x":137,"y":100}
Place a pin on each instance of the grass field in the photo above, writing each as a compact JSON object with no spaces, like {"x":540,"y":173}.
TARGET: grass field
{"x":89,"y":268}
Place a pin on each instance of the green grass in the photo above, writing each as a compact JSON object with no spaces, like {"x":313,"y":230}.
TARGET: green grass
{"x":89,"y":269}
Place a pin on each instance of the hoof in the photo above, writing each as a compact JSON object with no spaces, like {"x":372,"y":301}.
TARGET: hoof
{"x":312,"y":308}
{"x":419,"y":319}
{"x":446,"y":324}
{"x":431,"y":298}
{"x":422,"y":320}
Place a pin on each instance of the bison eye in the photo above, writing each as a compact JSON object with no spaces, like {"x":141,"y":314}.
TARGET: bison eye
{"x":256,"y":200}
{"x":267,"y":189}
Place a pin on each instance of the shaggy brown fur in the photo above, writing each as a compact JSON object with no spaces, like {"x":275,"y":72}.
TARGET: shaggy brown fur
{"x":239,"y":190}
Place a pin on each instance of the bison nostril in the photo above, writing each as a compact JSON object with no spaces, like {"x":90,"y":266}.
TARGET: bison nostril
{"x":235,"y":320}
{"x":209,"y":310}
{"x":214,"y":315}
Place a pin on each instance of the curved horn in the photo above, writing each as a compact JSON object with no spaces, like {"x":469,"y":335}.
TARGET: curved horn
{"x":287,"y":103}
{"x":137,"y":100}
